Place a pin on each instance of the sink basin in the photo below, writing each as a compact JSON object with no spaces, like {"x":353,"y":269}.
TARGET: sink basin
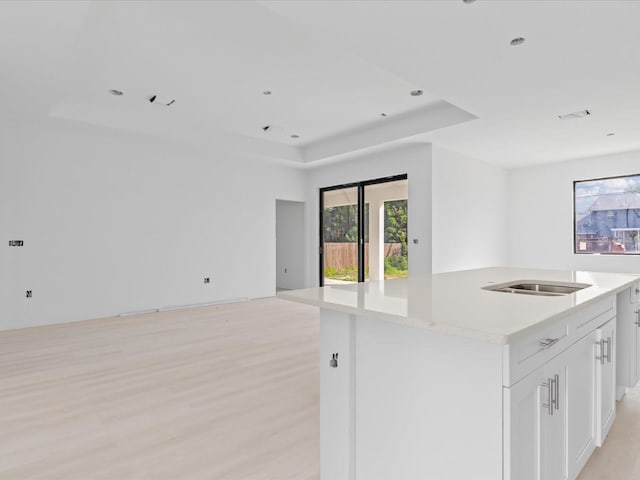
{"x":540,"y":288}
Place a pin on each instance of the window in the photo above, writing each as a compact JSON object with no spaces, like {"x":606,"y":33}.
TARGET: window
{"x":607,"y":215}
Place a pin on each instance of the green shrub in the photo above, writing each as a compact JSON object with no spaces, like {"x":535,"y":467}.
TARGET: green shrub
{"x":396,"y":262}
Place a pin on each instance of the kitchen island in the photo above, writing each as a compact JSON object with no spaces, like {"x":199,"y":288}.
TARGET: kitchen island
{"x":454,"y":376}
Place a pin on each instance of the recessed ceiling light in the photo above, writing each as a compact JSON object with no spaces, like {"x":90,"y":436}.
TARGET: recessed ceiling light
{"x":115,"y":92}
{"x":266,"y":92}
{"x":295,"y":136}
{"x":416,"y":93}
{"x":580,"y":114}
{"x":517,"y":41}
{"x":610,"y":134}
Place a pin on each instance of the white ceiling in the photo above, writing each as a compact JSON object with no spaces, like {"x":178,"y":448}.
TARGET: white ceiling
{"x":333,"y":68}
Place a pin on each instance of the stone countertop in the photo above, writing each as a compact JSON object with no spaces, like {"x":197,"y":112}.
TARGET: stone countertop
{"x":455,"y":303}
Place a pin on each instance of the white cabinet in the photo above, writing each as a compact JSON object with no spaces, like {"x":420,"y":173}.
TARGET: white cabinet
{"x":405,"y":403}
{"x":591,"y":393}
{"x":554,"y":414}
{"x":535,"y":420}
{"x":628,"y":335}
{"x":605,"y":380}
{"x":581,"y":391}
{"x":558,"y":414}
{"x":524,"y":428}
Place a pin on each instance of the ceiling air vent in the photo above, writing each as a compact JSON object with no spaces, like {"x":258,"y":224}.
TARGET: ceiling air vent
{"x":580,"y":114}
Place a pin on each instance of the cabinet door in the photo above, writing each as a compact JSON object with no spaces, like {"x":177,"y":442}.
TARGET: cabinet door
{"x":581,"y":392}
{"x":554,"y":440}
{"x":605,"y":380}
{"x":524,"y":427}
{"x":635,"y":347}
{"x":634,"y":300}
{"x":628,"y":344}
{"x":535,"y":424}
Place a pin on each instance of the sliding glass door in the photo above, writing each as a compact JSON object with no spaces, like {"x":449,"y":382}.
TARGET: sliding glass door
{"x":363,"y":231}
{"x":386,"y":252}
{"x":339,"y":235}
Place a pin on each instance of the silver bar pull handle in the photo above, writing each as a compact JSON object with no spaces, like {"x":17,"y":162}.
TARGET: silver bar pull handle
{"x":556,"y":386}
{"x":600,"y":357}
{"x":547,"y":342}
{"x":637,"y":322}
{"x":548,"y":405}
{"x":607,"y":352}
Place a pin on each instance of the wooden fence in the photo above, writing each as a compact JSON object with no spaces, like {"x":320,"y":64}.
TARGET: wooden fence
{"x":344,"y":256}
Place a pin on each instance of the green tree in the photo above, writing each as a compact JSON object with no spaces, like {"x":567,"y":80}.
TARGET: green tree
{"x":340,"y":223}
{"x":395,"y":223}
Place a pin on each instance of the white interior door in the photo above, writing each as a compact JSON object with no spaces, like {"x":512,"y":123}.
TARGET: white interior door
{"x":290,"y":245}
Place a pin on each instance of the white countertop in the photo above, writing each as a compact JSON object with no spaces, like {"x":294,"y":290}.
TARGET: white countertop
{"x":455,"y":303}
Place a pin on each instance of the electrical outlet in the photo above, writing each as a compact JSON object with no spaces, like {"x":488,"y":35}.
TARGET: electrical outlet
{"x":207,"y":280}
{"x":29,"y":293}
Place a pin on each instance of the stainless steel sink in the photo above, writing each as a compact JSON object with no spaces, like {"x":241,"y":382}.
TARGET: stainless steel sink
{"x":540,"y":288}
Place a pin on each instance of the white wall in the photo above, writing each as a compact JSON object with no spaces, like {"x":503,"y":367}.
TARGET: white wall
{"x":469,"y":204}
{"x":540,"y":214}
{"x":115,"y":223}
{"x":415,"y":161}
{"x":290,"y":244}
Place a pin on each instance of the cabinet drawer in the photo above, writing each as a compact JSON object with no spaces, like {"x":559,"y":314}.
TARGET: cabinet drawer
{"x":591,"y":317}
{"x":525,"y":355}
{"x":529,"y":353}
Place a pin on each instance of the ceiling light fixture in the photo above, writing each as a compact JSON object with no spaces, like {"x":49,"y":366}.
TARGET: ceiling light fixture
{"x":416,"y":93}
{"x":610,"y":134}
{"x":517,"y":41}
{"x":580,"y":114}
{"x":161,"y":100}
{"x":117,"y":93}
{"x":383,"y":114}
{"x":295,"y":136}
{"x":266,"y":92}
{"x":270,"y":128}
{"x":468,"y":1}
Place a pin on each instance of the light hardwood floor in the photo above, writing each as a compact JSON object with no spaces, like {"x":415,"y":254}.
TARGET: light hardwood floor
{"x":222,"y":392}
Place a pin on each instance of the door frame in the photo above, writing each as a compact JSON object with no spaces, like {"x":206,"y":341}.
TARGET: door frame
{"x":360,"y":214}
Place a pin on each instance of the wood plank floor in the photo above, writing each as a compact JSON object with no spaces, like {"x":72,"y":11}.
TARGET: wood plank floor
{"x":221,"y":392}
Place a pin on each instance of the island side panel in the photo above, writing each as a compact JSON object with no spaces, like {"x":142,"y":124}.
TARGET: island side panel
{"x":427,"y":405}
{"x":337,"y":395}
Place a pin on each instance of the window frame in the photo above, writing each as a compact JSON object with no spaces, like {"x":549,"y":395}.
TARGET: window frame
{"x":575,"y":223}
{"x":361,"y":234}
